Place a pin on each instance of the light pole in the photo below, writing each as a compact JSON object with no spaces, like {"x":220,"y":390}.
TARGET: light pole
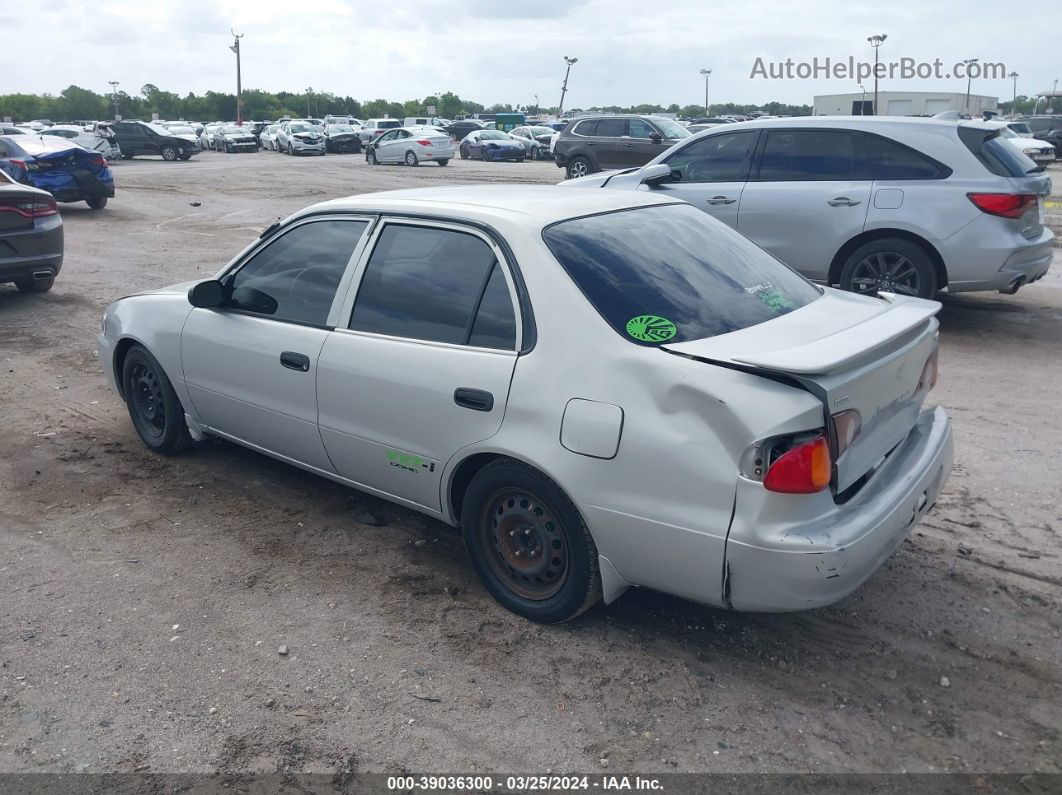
{"x":309,"y":91}
{"x":707,"y":73}
{"x":967,"y":64}
{"x":1014,"y":100}
{"x":876,"y":41}
{"x":1054,"y":92}
{"x":537,"y":108}
{"x":564,"y":87}
{"x":235,"y":47}
{"x":114,"y":97}
{"x":863,"y":101}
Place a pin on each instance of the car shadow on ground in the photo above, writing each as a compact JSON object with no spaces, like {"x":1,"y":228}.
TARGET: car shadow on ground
{"x":1002,"y":317}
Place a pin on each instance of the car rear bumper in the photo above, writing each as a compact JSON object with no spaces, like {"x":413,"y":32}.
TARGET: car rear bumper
{"x":33,"y":251}
{"x":794,"y":552}
{"x":1007,"y":268}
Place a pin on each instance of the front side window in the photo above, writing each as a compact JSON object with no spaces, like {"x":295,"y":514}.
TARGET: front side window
{"x":715,"y":158}
{"x":637,"y":128}
{"x":435,"y":284}
{"x":813,"y":155}
{"x":672,"y":129}
{"x":295,"y":277}
{"x":671,"y":273}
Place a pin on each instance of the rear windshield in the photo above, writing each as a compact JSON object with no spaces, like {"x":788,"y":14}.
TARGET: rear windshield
{"x":995,"y":154}
{"x":384,"y":124}
{"x":671,"y":274}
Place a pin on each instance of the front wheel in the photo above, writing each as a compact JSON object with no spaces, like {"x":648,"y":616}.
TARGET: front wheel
{"x":579,"y":167}
{"x":890,"y":265}
{"x":154,"y":407}
{"x":169,"y":153}
{"x":291,"y":150}
{"x":97,"y":202}
{"x":370,"y":158}
{"x":411,"y":159}
{"x":528,"y":543}
{"x":464,"y":153}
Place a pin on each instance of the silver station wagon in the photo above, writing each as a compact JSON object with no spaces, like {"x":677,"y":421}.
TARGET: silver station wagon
{"x":603,"y":389}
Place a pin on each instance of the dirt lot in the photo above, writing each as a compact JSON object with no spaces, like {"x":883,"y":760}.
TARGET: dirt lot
{"x":143,"y":599}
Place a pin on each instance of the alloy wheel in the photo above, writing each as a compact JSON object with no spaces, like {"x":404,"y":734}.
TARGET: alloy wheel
{"x":578,"y":169}
{"x":887,"y":271}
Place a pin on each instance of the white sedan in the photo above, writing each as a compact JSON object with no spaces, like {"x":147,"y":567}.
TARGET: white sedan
{"x":410,"y":145}
{"x":603,"y":389}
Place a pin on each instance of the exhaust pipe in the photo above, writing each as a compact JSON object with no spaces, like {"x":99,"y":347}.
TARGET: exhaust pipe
{"x":1014,"y":286}
{"x":42,"y":275}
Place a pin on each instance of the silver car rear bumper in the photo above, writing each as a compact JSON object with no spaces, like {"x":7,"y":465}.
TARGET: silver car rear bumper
{"x":788,"y":553}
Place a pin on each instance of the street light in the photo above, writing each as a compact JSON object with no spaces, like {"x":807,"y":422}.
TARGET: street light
{"x":235,"y":47}
{"x":309,"y":91}
{"x":114,"y":97}
{"x":564,"y":87}
{"x":707,"y":73}
{"x":967,"y":63}
{"x":1014,"y":101}
{"x":863,"y":101}
{"x":876,"y":41}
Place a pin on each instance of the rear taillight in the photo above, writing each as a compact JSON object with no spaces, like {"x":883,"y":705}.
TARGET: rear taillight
{"x":30,"y":208}
{"x":1005,"y":205}
{"x":846,"y":427}
{"x":805,"y":469}
{"x":98,"y":160}
{"x":928,"y":379}
{"x":424,"y":143}
{"x":27,"y":165}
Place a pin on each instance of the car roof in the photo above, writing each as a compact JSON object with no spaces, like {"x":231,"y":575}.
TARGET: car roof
{"x":540,"y":204}
{"x":40,"y":144}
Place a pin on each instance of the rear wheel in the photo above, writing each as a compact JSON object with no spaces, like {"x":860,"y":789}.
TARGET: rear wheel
{"x":464,"y":152}
{"x":35,"y":285}
{"x":443,"y":162}
{"x":411,"y":159}
{"x":153,"y":406}
{"x":186,"y":157}
{"x":169,"y":153}
{"x":528,"y":543}
{"x":97,"y":202}
{"x":579,"y":167}
{"x":890,"y":265}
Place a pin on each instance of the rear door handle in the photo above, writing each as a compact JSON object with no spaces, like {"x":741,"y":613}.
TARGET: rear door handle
{"x":475,"y":399}
{"x":629,"y":146}
{"x":843,"y":201}
{"x":295,"y":361}
{"x":721,"y":200}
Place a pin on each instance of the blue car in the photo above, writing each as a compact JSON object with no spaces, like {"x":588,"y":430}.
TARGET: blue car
{"x":491,"y":145}
{"x":69,"y":172}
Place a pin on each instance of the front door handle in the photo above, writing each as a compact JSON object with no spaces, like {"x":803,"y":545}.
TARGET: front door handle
{"x":721,"y":200}
{"x":843,"y":201}
{"x":295,"y":361}
{"x":475,"y":399}
{"x":629,"y":146}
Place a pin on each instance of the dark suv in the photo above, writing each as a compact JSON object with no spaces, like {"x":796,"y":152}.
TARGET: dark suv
{"x":1047,"y":128}
{"x":141,"y":138}
{"x":590,"y":144}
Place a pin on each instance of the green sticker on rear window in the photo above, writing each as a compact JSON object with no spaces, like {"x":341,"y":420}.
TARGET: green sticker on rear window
{"x":651,"y":328}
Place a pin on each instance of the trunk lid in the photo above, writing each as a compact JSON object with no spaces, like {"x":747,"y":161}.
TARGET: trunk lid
{"x":850,"y":351}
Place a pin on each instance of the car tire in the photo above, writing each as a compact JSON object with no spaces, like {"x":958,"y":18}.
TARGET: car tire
{"x":169,"y":153}
{"x":579,"y":167}
{"x":128,"y":157}
{"x":519,"y":160}
{"x":97,"y":202}
{"x":186,"y":157}
{"x":464,"y":153}
{"x":291,"y":150}
{"x":35,"y":285}
{"x":892,"y":265}
{"x":154,"y":407}
{"x":370,"y":158}
{"x":445,"y":161}
{"x":411,"y":159}
{"x":509,"y":508}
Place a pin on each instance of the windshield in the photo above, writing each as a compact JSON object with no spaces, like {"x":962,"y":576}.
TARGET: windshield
{"x":493,"y":135}
{"x":384,"y":124}
{"x":1022,"y":129}
{"x":158,"y":128}
{"x":671,"y":129}
{"x":179,"y":129}
{"x":340,"y":128}
{"x":671,"y":273}
{"x":301,"y":127}
{"x":1006,"y":132}
{"x":542,"y":131}
{"x":232,"y":129}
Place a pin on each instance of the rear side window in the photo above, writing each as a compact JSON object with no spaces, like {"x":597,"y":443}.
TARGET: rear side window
{"x":435,"y":284}
{"x":671,"y":273}
{"x":296,"y":276}
{"x":808,"y":155}
{"x":996,"y":154}
{"x":586,"y":127}
{"x":892,"y":160}
{"x":612,"y":128}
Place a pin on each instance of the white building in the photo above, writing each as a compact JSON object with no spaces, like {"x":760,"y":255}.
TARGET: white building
{"x":902,"y":103}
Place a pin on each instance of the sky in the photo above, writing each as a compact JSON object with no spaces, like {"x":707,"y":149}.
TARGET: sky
{"x":511,"y":51}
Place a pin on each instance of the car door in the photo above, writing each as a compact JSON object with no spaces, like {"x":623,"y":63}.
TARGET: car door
{"x":610,"y":143}
{"x":421,"y":368}
{"x":251,"y":365}
{"x":710,"y":173}
{"x":807,"y":196}
{"x":386,"y":145}
{"x":130,"y":138}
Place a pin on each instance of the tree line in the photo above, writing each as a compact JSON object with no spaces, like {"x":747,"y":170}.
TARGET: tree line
{"x":76,"y":103}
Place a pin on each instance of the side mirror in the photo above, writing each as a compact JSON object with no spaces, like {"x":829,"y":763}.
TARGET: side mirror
{"x":655,"y":137}
{"x":656,"y":175}
{"x":207,"y":295}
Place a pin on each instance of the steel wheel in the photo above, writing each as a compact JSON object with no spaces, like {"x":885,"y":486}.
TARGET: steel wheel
{"x":147,"y":401}
{"x":888,"y":271}
{"x":524,"y":545}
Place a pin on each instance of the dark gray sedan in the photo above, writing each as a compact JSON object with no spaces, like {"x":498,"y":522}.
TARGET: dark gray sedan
{"x":31,"y":237}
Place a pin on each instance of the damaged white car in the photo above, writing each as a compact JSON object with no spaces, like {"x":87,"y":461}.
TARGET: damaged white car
{"x":603,"y":389}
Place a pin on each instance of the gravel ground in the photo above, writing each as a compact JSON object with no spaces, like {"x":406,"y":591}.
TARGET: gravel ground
{"x":144,"y":601}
